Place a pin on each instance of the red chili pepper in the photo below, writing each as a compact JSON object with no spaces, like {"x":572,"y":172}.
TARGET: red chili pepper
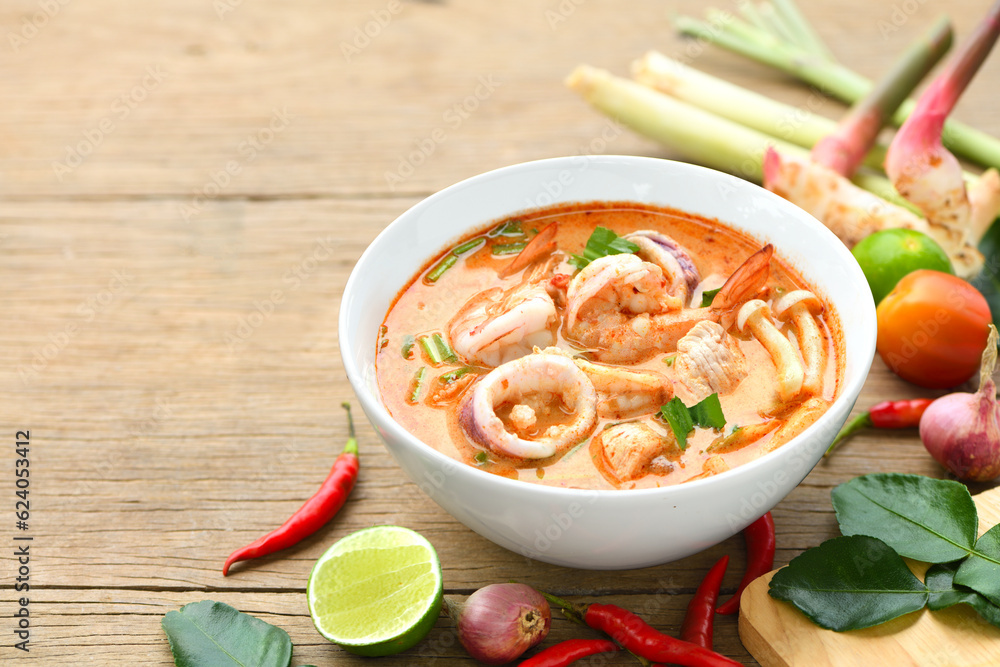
{"x":637,"y":636}
{"x":760,"y":541}
{"x":699,"y":621}
{"x":569,"y":651}
{"x":316,"y":511}
{"x":887,"y":414}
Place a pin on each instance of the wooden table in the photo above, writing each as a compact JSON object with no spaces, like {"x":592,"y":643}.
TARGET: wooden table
{"x":185,"y":186}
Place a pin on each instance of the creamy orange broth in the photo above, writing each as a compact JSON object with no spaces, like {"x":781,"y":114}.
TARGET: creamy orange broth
{"x":423,"y":308}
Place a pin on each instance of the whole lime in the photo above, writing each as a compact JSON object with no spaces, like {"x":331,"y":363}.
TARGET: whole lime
{"x":888,"y":255}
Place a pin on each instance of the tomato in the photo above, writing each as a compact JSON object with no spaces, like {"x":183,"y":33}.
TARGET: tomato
{"x":932,"y":329}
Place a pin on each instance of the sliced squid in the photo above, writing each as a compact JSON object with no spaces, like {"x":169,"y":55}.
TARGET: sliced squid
{"x":675,"y":261}
{"x":529,"y":387}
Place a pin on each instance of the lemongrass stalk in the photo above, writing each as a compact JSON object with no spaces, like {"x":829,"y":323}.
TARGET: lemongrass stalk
{"x":917,"y":162}
{"x":843,"y":149}
{"x":746,"y":40}
{"x":698,"y":135}
{"x":793,"y":124}
{"x":796,"y":125}
{"x":806,"y":37}
{"x":833,"y":79}
{"x":775,"y":24}
{"x":752,"y":15}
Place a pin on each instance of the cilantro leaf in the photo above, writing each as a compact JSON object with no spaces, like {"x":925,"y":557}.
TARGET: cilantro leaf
{"x":707,"y":413}
{"x":602,"y":242}
{"x":677,"y":415}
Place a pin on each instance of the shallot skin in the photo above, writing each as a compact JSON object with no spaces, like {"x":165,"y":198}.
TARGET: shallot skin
{"x":962,"y":432}
{"x":499,"y":622}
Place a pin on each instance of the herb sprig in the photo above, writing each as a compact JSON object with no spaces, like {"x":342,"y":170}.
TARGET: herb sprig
{"x":861,"y":580}
{"x":682,"y":419}
{"x":602,"y":242}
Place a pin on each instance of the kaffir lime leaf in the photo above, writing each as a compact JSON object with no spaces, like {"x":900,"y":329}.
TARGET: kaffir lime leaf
{"x":377,"y":591}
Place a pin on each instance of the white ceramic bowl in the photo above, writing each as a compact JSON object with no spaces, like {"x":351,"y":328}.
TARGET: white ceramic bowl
{"x":604,"y":529}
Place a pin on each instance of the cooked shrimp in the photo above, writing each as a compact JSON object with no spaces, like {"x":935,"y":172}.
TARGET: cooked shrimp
{"x":537,"y":385}
{"x":622,"y":313}
{"x":499,"y":325}
{"x":624,"y":393}
{"x":658,"y":248}
{"x":622,"y":284}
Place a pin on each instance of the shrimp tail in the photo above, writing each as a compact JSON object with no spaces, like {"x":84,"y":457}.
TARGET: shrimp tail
{"x":746,"y":282}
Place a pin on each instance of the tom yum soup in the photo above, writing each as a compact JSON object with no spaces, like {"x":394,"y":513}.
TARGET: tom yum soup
{"x":608,"y":345}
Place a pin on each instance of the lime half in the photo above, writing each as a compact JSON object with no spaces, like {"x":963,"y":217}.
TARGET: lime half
{"x":377,"y":591}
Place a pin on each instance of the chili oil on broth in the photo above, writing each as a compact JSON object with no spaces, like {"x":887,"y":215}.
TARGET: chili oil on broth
{"x":424,"y":308}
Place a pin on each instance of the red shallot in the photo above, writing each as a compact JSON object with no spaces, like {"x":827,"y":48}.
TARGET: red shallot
{"x":501,"y":621}
{"x":962,"y":431}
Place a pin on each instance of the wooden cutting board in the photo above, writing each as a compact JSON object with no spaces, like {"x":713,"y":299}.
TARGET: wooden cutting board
{"x":779,"y":635}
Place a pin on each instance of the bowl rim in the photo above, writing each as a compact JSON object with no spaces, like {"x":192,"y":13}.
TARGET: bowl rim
{"x":373,"y":405}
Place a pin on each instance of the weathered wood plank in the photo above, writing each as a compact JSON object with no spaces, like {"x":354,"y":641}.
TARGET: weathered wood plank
{"x":184,"y":191}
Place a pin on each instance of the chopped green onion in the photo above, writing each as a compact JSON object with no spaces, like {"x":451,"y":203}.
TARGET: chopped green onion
{"x":467,"y":246}
{"x":509,"y":228}
{"x":481,"y":458}
{"x":451,"y":376}
{"x":508,"y":248}
{"x":417,"y":384}
{"x":707,"y":413}
{"x":451,"y":258}
{"x":437,"y":348}
{"x":442,"y":266}
{"x":602,"y":242}
{"x":446,"y":352}
{"x":708,"y":296}
{"x":669,"y":361}
{"x":407,"y":348}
